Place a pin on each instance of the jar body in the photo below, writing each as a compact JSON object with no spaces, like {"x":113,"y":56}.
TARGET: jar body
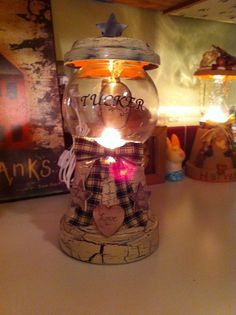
{"x":111,"y":94}
{"x":217,"y":98}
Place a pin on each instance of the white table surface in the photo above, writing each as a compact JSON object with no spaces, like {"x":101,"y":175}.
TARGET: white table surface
{"x":192,"y":273}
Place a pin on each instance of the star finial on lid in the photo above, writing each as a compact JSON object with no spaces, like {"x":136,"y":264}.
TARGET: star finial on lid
{"x":111,"y":28}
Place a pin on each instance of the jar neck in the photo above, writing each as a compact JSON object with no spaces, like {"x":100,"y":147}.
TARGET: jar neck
{"x":113,"y":69}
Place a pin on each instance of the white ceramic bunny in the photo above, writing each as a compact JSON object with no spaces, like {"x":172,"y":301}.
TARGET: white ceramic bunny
{"x":175,"y":157}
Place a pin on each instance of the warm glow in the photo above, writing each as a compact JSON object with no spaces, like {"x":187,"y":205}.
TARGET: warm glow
{"x":110,"y":160}
{"x":115,"y":69}
{"x":110,"y":139}
{"x":178,"y":114}
{"x":218,"y":77}
{"x":217,"y":110}
{"x":215,"y":114}
{"x":110,"y":67}
{"x":177,"y":110}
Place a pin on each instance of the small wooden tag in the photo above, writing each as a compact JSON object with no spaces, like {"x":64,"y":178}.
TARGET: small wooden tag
{"x":108,"y":220}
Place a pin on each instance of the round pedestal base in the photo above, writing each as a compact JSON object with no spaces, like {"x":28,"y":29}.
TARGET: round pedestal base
{"x":209,"y":175}
{"x":126,"y":246}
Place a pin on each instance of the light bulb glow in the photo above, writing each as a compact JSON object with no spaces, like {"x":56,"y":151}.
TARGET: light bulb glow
{"x":115,"y":69}
{"x":110,"y":160}
{"x":110,"y":138}
{"x":215,"y":114}
{"x":217,"y":110}
{"x":218,"y":77}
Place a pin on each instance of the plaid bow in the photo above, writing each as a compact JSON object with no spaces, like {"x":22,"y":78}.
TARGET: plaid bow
{"x":129,"y":154}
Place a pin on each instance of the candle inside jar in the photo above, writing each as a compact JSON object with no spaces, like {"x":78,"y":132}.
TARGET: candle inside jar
{"x":110,"y":138}
{"x":217,"y":110}
{"x":215,"y":114}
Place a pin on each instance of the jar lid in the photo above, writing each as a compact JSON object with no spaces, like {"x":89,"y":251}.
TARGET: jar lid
{"x":116,"y":48}
{"x":216,"y":61}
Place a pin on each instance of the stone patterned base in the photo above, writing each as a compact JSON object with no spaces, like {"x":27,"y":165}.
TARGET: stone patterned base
{"x":126,"y":246}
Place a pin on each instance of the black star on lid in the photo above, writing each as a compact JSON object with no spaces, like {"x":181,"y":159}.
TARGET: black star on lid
{"x":111,"y":28}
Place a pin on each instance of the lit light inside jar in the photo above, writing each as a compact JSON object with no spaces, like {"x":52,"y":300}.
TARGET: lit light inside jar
{"x":215,"y":114}
{"x":217,"y":110}
{"x":218,"y":77}
{"x":110,"y":139}
{"x":115,"y":68}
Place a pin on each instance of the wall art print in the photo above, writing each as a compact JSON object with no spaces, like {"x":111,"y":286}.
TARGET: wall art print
{"x":31,"y":136}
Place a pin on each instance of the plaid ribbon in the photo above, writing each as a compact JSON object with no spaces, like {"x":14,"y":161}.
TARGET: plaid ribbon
{"x":131,"y":154}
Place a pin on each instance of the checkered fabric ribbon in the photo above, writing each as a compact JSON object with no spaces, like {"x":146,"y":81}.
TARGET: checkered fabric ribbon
{"x":86,"y":150}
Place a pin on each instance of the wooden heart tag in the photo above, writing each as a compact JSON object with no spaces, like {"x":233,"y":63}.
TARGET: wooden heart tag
{"x":108,"y":220}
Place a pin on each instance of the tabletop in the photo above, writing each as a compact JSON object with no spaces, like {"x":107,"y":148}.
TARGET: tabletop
{"x":193,"y":272}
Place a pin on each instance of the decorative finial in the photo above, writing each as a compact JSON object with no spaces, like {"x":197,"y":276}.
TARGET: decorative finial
{"x":111,"y":28}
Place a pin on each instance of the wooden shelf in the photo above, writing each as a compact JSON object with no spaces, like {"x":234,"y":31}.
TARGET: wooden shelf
{"x":161,"y":5}
{"x":224,"y":11}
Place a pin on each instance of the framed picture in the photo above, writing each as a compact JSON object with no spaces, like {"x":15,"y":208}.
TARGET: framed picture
{"x":155,"y":156}
{"x":31,"y":135}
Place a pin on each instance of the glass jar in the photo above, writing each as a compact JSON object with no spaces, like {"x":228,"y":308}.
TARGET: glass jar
{"x":116,"y":94}
{"x":216,"y":95}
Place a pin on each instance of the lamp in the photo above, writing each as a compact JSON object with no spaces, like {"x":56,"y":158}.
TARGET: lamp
{"x":213,"y":156}
{"x":110,"y":108}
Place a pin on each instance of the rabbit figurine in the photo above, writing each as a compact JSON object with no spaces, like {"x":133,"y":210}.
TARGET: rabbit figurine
{"x":175,"y":157}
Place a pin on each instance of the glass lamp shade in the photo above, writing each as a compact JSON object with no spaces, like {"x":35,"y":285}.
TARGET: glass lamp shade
{"x":215,"y":99}
{"x":116,"y":94}
{"x":217,"y":70}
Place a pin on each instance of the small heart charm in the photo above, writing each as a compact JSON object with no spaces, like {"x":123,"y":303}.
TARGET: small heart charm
{"x":108,"y":220}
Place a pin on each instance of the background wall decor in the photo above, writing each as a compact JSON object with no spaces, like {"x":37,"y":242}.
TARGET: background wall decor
{"x":31,"y":137}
